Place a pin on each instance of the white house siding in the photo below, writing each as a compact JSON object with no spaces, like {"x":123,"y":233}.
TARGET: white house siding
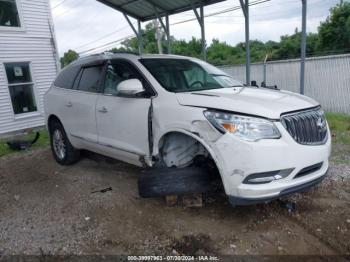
{"x":32,"y":43}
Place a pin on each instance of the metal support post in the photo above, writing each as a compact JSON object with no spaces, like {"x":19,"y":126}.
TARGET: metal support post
{"x":303,"y":48}
{"x":139,"y":37}
{"x":167,"y":31}
{"x":264,"y":70}
{"x":245,"y":9}
{"x":166,"y":28}
{"x":204,"y":52}
{"x":200,"y":19}
{"x":138,"y":32}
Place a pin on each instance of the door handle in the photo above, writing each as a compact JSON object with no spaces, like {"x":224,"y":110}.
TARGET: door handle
{"x":69,"y":104}
{"x":103,"y":109}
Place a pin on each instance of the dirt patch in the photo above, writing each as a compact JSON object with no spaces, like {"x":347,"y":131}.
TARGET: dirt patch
{"x":194,"y":245}
{"x":47,"y":208}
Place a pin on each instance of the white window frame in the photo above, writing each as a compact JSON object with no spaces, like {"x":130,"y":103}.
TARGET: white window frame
{"x":20,"y":28}
{"x":32,"y":83}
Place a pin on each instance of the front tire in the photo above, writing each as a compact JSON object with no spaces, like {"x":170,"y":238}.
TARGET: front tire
{"x":174,"y":181}
{"x":62,"y":150}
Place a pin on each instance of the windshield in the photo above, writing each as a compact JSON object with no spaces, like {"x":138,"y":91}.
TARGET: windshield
{"x":182,"y":75}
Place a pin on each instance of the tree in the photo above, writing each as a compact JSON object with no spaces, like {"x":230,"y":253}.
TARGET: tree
{"x":221,"y":53}
{"x":148,"y":42}
{"x":333,"y":37}
{"x":290,"y":46}
{"x":191,"y":48}
{"x":68,"y":57}
{"x":334,"y":33}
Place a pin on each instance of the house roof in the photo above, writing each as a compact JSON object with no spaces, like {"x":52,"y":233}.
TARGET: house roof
{"x":145,"y":10}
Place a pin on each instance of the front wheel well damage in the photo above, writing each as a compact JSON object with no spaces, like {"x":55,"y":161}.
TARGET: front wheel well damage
{"x":176,"y":149}
{"x":183,"y":166}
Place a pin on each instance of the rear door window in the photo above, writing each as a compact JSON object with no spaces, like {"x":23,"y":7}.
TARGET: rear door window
{"x":66,"y":77}
{"x":77,"y":80}
{"x":90,"y":79}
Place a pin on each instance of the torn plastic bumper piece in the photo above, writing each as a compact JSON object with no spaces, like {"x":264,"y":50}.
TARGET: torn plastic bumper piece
{"x":238,"y":201}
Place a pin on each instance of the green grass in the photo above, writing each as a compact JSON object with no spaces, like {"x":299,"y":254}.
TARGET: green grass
{"x":340,"y":127}
{"x":42,"y":142}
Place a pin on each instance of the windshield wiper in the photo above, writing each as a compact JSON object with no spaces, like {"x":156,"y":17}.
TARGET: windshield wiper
{"x":234,"y":80}
{"x":219,"y":75}
{"x":205,"y":94}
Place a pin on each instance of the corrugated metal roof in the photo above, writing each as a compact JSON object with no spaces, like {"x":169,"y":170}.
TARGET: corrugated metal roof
{"x":145,"y":10}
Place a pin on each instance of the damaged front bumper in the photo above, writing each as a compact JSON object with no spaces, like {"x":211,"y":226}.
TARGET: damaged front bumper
{"x":238,"y":159}
{"x":239,"y":201}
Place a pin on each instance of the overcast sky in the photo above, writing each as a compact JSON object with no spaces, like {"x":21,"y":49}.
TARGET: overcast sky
{"x":85,"y":24}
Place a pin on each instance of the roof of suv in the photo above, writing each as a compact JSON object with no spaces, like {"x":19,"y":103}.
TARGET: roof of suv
{"x":132,"y":56}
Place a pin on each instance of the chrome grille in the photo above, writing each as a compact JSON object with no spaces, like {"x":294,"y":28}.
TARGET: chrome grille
{"x":307,"y":127}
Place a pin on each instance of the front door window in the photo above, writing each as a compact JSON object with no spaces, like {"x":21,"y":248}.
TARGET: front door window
{"x":116,"y":73}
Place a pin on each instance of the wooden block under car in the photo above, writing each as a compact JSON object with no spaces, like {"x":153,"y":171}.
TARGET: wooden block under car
{"x":192,"y":200}
{"x":171,"y":200}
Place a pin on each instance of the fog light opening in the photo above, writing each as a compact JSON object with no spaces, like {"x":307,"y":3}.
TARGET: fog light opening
{"x":267,"y":177}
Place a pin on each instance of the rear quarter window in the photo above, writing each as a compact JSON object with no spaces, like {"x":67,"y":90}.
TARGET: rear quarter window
{"x":66,"y":77}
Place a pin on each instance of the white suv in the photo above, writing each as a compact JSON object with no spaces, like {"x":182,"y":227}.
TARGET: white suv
{"x":167,"y":111}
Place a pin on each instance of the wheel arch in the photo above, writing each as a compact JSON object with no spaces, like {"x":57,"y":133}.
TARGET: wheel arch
{"x":194,"y":136}
{"x":52,"y":118}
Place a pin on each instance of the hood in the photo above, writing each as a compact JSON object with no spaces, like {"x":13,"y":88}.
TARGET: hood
{"x":254,"y":101}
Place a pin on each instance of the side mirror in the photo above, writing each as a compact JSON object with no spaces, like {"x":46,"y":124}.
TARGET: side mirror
{"x":130,"y":87}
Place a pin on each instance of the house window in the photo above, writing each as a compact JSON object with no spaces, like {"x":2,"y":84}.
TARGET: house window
{"x":9,"y":13}
{"x":21,"y":87}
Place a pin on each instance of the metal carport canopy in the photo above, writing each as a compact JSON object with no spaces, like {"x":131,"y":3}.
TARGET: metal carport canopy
{"x":145,"y":10}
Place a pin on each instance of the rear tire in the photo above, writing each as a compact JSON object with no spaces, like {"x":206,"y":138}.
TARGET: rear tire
{"x":62,"y":150}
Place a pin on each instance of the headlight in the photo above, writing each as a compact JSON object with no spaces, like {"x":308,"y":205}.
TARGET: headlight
{"x":244,"y":127}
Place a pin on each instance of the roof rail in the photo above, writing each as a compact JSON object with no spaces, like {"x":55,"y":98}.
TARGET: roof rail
{"x":110,"y":53}
{"x":90,"y":55}
{"x":123,"y":52}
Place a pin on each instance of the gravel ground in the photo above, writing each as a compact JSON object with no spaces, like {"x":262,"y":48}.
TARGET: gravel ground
{"x":49,"y":209}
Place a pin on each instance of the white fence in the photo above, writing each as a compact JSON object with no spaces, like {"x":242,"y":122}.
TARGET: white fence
{"x":327,"y":79}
